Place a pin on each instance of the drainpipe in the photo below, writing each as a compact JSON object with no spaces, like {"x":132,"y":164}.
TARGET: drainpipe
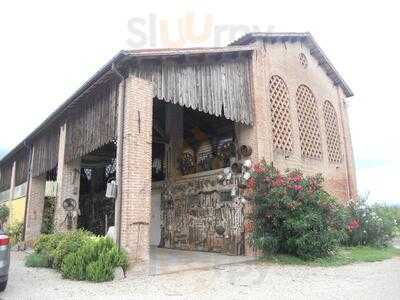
{"x":28,"y":184}
{"x":120,"y":141}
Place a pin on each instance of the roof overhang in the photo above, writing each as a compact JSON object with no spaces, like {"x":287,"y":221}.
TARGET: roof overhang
{"x":119,"y":59}
{"x":308,"y":40}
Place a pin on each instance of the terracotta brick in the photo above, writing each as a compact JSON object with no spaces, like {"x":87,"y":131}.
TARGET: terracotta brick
{"x":136,"y":169}
{"x":35,"y":204}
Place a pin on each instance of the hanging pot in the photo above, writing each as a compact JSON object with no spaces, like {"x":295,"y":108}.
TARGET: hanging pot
{"x":245,"y":150}
{"x":219,"y":229}
{"x":236,"y":168}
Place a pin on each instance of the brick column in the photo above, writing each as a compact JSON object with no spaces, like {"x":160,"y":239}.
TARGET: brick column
{"x":12,"y":192}
{"x":259,"y":135}
{"x":68,"y":183}
{"x":136,"y":169}
{"x":35,"y":203}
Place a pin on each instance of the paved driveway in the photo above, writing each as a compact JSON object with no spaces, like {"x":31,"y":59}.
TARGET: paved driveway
{"x":247,"y":280}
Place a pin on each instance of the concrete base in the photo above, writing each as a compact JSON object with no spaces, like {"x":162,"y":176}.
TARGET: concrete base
{"x":166,"y":261}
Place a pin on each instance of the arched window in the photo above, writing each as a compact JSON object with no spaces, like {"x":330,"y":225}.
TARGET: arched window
{"x":332,"y":133}
{"x":307,"y":115}
{"x":281,"y":124}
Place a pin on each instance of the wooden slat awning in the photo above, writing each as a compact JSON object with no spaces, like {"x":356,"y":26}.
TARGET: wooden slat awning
{"x":21,"y":167}
{"x":220,"y":88}
{"x":45,"y":151}
{"x":93,"y":122}
{"x":5,"y":176}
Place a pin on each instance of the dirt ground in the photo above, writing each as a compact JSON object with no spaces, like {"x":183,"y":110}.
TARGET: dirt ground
{"x":246,"y":280}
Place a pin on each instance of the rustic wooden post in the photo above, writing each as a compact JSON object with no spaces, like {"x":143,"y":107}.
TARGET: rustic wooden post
{"x":68,"y":183}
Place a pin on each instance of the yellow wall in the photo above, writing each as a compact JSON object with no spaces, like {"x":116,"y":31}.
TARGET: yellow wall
{"x":17,"y":210}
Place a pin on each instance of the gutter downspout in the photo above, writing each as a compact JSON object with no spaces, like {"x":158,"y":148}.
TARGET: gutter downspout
{"x":28,"y":186}
{"x":120,"y":141}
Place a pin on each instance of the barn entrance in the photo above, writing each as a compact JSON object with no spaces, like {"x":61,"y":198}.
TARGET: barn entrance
{"x":192,"y":208}
{"x":97,"y":169}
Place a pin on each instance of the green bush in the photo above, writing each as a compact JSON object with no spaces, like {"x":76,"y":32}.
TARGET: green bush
{"x":70,"y":243}
{"x":81,"y":255}
{"x":293,"y":214}
{"x":48,"y":215}
{"x":36,"y":260}
{"x":370,"y":225}
{"x":4,"y":213}
{"x":96,"y":260}
{"x":99,"y":271}
{"x":73,"y":267}
{"x":14,"y":231}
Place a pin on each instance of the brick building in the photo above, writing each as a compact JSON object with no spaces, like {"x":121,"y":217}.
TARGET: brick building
{"x":176,"y":129}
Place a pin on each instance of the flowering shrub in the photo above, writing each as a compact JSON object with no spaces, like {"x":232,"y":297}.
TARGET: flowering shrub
{"x":293,"y":214}
{"x":369,"y":225}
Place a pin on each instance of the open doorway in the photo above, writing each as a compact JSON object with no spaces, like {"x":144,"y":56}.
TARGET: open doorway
{"x":191,"y":208}
{"x":97,"y":169}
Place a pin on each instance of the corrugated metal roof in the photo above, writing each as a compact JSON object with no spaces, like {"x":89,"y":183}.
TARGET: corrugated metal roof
{"x":308,"y":40}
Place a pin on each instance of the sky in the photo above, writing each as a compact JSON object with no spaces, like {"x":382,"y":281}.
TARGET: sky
{"x":49,"y":48}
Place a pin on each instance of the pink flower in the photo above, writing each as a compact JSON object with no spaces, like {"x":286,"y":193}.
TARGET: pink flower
{"x":279,"y":181}
{"x":258,"y":168}
{"x":297,"y":187}
{"x":251,"y":183}
{"x":295,"y":179}
{"x":354,"y":224}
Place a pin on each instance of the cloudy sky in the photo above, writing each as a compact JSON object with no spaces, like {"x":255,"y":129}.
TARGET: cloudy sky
{"x":49,"y":48}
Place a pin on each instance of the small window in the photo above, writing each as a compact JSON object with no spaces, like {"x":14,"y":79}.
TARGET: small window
{"x":303,"y":60}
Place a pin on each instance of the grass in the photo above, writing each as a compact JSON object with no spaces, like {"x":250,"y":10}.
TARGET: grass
{"x":345,"y":256}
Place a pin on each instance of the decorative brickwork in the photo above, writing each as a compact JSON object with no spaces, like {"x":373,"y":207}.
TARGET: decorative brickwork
{"x":280,"y":111}
{"x":332,"y":133}
{"x":303,"y":60}
{"x":307,"y":115}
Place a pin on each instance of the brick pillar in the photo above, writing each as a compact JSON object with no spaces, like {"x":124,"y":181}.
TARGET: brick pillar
{"x":35,"y":203}
{"x":68,"y":183}
{"x":136,"y":169}
{"x":259,"y":135}
{"x":12,"y":192}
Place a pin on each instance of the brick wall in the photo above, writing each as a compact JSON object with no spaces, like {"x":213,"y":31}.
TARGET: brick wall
{"x":282,"y":59}
{"x":34,"y":211}
{"x":136,"y":169}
